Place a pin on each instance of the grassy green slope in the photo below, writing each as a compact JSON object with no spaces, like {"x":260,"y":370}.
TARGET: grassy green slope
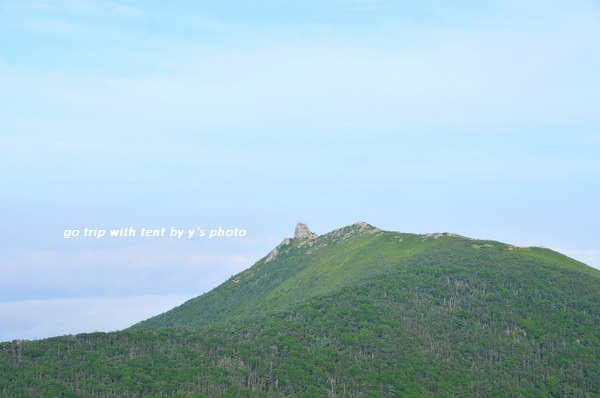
{"x":302,"y":269}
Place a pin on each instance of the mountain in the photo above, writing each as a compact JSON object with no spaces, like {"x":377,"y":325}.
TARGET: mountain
{"x":300,"y":268}
{"x":357,"y":312}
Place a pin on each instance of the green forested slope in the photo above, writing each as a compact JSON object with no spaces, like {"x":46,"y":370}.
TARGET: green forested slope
{"x":414,"y":315}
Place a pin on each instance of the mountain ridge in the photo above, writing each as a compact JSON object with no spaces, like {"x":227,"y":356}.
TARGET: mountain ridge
{"x":293,"y":271}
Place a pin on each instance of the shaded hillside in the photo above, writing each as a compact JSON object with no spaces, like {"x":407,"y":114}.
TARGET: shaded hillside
{"x":357,"y":312}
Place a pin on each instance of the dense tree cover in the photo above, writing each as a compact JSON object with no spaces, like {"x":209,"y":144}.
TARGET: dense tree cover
{"x":461,"y":318}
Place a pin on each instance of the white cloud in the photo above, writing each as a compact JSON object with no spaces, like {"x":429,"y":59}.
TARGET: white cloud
{"x":36,"y":319}
{"x":470,"y":79}
{"x":514,"y":83}
{"x":154,"y":267}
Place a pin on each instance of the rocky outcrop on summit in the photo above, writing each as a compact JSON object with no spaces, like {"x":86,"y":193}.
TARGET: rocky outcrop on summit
{"x":358,"y":228}
{"x":305,"y":238}
{"x":362,"y":226}
{"x":302,"y":232}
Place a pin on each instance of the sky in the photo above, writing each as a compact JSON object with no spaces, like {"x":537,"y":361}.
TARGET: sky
{"x":477,"y":118}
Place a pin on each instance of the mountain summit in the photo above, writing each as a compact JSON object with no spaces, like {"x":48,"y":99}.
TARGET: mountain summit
{"x":356,"y":312}
{"x":302,"y":232}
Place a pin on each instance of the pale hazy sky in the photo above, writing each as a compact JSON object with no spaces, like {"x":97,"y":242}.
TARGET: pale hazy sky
{"x":479,"y":118}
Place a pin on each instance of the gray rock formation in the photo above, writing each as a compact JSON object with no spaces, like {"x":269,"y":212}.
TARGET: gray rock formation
{"x":275,"y":251}
{"x":302,"y":232}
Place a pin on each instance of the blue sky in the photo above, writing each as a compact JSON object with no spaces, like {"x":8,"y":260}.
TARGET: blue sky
{"x":478,"y":118}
